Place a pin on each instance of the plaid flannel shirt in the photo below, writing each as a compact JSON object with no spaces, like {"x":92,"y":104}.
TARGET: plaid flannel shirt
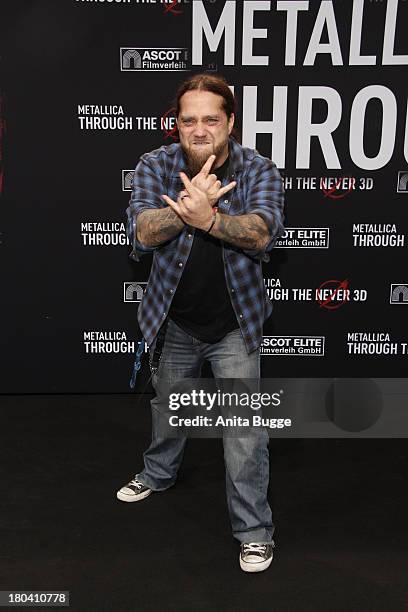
{"x":259,"y":190}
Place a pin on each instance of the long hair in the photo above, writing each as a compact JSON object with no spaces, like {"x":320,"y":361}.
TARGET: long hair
{"x":215,"y":83}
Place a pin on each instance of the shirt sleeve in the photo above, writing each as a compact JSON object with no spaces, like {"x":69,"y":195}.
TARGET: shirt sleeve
{"x":146,"y":194}
{"x":266,"y":199}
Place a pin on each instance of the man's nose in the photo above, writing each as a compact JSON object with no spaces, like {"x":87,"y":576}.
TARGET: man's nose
{"x":199,"y":130}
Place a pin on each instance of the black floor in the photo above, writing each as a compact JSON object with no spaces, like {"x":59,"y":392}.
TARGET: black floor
{"x":340,"y":509}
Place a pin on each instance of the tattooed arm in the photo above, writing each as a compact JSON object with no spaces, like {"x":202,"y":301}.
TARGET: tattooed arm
{"x":157,"y":226}
{"x":257,"y":231}
{"x":244,"y":231}
{"x":150,"y":222}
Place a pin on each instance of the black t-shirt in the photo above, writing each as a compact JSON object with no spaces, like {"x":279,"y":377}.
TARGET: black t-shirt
{"x":201,"y":305}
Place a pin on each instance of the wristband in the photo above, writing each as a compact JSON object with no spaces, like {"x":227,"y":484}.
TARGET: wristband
{"x":212,"y":222}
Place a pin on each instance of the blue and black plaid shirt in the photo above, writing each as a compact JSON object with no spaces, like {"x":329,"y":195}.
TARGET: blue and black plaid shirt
{"x":259,"y":190}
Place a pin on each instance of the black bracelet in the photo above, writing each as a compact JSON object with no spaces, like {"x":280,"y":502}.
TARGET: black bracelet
{"x":212,"y":223}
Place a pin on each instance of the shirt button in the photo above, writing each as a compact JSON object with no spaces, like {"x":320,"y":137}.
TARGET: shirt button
{"x":240,"y":316}
{"x":189,"y":235}
{"x":180,"y":264}
{"x":225,"y":201}
{"x":232,"y":290}
{"x":170,"y":290}
{"x":164,"y":314}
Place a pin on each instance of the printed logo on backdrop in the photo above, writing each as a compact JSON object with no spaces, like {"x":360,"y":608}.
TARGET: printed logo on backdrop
{"x":333,"y":293}
{"x":103,"y":117}
{"x":173,"y":8}
{"x":399,"y":293}
{"x":332,"y":187}
{"x":169,"y":125}
{"x":337,"y":189}
{"x":402,"y":184}
{"x":112,"y":117}
{"x":133,"y":291}
{"x":293,"y":346}
{"x":127,"y":180}
{"x":148,"y":59}
{"x":107,"y":342}
{"x":304,"y":238}
{"x":374,"y":343}
{"x":104,"y":234}
{"x":377,"y":235}
{"x":330,"y":294}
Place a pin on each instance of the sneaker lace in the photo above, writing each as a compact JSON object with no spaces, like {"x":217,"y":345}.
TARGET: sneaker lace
{"x":136,"y":483}
{"x":254,"y":547}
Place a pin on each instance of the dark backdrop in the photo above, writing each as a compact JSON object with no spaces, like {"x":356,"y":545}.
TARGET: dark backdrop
{"x":60,"y":292}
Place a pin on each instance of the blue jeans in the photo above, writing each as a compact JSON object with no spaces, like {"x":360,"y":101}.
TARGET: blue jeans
{"x":246,"y":458}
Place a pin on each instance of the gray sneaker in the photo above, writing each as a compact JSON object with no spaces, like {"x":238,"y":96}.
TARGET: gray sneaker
{"x":133,"y":491}
{"x":255,"y":557}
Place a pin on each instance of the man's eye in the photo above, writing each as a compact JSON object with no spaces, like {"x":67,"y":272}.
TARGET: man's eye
{"x":212,"y":121}
{"x":187,"y":122}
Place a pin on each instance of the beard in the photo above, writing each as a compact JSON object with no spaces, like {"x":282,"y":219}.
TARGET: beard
{"x":197,"y":158}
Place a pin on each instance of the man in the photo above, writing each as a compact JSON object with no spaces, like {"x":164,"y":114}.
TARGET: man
{"x":209,"y":209}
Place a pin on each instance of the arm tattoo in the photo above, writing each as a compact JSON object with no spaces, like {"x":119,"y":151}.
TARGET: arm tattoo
{"x":157,"y":226}
{"x":245,"y":231}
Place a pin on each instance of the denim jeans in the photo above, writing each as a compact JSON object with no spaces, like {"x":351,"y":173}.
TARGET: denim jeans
{"x":246,"y":458}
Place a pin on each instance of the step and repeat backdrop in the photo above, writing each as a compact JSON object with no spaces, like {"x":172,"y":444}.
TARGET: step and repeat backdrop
{"x":87,"y":87}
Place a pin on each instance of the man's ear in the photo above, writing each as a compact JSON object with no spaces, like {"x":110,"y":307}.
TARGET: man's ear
{"x":231,"y":122}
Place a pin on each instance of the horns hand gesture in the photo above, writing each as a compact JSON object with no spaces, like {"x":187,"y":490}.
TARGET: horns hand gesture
{"x":195,"y":202}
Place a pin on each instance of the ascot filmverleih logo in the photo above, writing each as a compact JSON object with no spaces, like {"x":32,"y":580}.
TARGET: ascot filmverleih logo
{"x":293,"y":346}
{"x":399,"y":293}
{"x":133,"y":291}
{"x":148,"y":59}
{"x":304,"y":238}
{"x":402,"y":183}
{"x":127,"y":180}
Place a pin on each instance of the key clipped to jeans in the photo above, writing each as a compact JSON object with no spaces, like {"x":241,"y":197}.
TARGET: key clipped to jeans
{"x":154,"y":364}
{"x":137,"y":363}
